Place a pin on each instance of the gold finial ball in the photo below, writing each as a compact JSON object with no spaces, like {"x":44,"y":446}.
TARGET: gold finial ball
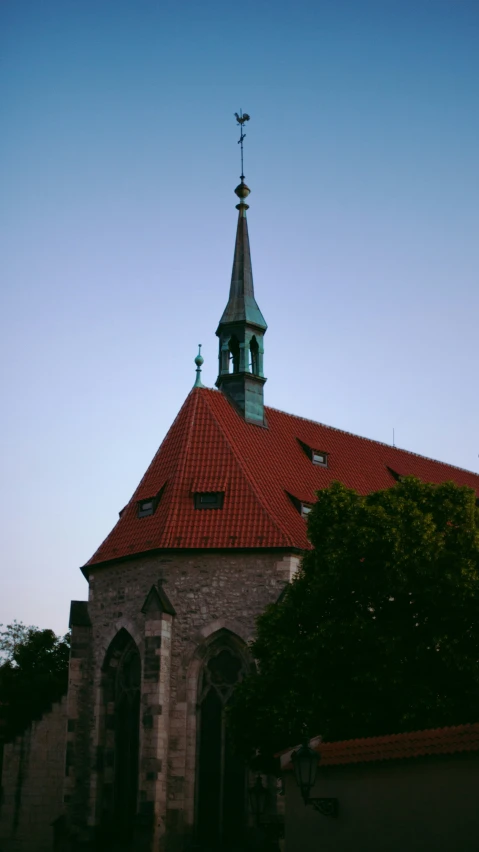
{"x":242,"y":191}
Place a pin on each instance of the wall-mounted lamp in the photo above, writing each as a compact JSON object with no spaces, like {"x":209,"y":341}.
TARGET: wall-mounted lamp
{"x":305,"y":764}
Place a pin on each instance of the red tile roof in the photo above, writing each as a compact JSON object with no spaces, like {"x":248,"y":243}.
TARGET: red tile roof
{"x":210,"y":447}
{"x":450,"y":740}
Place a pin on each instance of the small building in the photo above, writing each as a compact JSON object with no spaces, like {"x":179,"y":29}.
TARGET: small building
{"x":410,"y":792}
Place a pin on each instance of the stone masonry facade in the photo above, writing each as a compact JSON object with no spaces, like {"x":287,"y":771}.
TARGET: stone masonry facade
{"x":212,"y":594}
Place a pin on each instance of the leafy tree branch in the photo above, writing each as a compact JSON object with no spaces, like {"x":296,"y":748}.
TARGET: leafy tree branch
{"x":379,"y":631}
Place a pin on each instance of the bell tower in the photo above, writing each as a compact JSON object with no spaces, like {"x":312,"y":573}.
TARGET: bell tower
{"x":242,"y":326}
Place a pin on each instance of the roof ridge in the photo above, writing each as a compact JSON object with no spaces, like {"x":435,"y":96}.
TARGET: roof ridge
{"x":168,"y":431}
{"x":251,"y":483}
{"x":183,"y":455}
{"x":137,"y":490}
{"x":363,"y":437}
{"x":370,"y":440}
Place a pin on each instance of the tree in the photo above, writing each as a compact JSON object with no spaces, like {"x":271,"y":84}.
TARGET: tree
{"x":33,"y":676}
{"x":379,"y":631}
{"x":15,"y":634}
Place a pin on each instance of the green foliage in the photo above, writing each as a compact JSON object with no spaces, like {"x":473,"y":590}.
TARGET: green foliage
{"x":33,"y":676}
{"x":14,"y":634}
{"x":379,"y":631}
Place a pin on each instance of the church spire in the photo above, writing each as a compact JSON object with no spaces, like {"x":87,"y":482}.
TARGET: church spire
{"x":242,"y":305}
{"x":242,"y":325}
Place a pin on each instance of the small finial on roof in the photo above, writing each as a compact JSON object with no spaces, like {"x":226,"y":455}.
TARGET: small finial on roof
{"x":199,"y":360}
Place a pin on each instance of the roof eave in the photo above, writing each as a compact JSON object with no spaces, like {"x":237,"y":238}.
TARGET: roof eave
{"x":105,"y":563}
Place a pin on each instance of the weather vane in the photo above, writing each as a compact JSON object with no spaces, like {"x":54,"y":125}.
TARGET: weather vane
{"x":240,"y":120}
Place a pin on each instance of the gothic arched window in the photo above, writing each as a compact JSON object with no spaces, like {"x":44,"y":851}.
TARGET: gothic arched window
{"x":221,"y":775}
{"x":122,"y":684}
{"x":127,"y":731}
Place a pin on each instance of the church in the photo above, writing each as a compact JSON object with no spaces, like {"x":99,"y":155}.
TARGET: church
{"x":211,"y":536}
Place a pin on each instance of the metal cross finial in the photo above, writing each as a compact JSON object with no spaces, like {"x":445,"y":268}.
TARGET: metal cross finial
{"x":240,"y":120}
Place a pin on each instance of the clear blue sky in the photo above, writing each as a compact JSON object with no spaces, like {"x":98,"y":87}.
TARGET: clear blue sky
{"x":118,"y":160}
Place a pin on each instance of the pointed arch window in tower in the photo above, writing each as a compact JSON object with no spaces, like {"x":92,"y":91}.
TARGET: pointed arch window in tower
{"x":254,"y":352}
{"x":221,"y":776}
{"x":234,"y":348}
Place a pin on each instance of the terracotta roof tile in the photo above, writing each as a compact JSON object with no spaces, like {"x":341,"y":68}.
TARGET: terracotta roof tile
{"x":450,"y":740}
{"x":209,"y":445}
{"x":207,"y":484}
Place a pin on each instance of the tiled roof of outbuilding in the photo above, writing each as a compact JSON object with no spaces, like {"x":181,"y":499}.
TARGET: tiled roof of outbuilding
{"x":451,"y":740}
{"x":210,"y":447}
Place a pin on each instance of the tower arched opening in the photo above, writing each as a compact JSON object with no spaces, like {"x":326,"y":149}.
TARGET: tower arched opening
{"x":234,"y":349}
{"x":254,"y":354}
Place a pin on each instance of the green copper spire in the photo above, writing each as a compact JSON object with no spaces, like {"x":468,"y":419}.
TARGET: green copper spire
{"x":199,"y":361}
{"x":242,"y":325}
{"x":242,"y":305}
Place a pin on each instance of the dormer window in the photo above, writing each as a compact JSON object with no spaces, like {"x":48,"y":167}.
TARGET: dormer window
{"x":319,"y":457}
{"x":305,"y":509}
{"x":397,"y":476}
{"x":148,"y":506}
{"x":302,"y":507}
{"x":209,"y":499}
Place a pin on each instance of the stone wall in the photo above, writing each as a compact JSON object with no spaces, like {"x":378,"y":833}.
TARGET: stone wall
{"x":416,"y":805}
{"x":32,"y":784}
{"x":211,"y":594}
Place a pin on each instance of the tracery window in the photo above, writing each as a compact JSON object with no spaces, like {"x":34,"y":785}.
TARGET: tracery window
{"x":121,"y":694}
{"x":127,"y":732}
{"x":221,"y":775}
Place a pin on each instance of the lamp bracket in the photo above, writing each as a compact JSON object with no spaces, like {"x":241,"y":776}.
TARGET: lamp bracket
{"x":326,"y":807}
